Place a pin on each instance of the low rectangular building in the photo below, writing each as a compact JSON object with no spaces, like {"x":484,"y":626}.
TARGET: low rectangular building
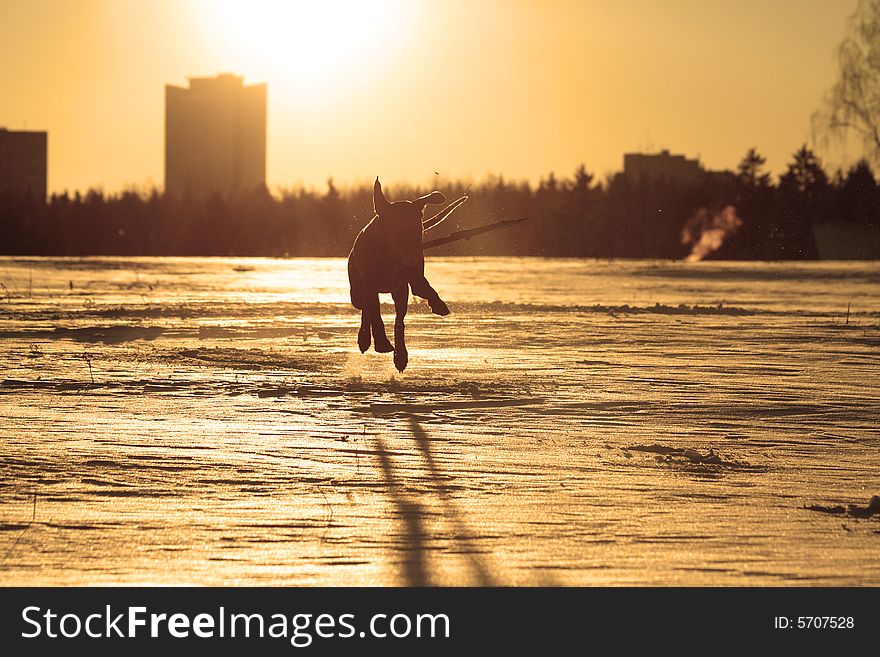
{"x":653,"y":168}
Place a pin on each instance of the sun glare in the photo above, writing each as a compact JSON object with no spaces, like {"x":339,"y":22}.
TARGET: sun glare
{"x":316,"y":46}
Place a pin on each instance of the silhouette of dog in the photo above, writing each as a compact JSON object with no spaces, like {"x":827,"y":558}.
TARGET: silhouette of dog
{"x":387,"y":257}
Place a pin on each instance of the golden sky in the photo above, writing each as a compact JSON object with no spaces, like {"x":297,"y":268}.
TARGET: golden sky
{"x":404,"y":88}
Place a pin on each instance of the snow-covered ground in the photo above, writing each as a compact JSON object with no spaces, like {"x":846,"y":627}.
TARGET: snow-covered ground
{"x":211,"y":421}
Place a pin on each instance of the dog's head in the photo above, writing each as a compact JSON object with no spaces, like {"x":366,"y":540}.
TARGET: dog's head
{"x":403,"y":222}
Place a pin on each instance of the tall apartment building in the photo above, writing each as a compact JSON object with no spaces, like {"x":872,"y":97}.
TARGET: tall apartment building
{"x":23,"y":157}
{"x":215,"y":137}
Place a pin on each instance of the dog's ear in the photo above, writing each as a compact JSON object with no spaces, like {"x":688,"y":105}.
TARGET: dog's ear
{"x":434,"y":198}
{"x":380,"y":203}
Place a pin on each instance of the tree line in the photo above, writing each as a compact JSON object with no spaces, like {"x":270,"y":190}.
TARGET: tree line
{"x":576,"y":216}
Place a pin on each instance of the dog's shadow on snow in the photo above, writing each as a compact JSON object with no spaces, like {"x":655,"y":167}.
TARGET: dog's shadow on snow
{"x":414,"y":508}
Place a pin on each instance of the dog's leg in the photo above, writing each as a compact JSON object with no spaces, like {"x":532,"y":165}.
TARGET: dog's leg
{"x":358,"y":295}
{"x":364,"y":332}
{"x":401,"y":301}
{"x":380,"y":340}
{"x":422,"y":288}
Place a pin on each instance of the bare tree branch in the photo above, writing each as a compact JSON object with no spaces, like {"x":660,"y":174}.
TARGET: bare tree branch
{"x":852,"y":105}
{"x":472,"y":232}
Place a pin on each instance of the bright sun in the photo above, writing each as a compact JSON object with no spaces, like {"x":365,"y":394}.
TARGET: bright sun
{"x":317,"y":46}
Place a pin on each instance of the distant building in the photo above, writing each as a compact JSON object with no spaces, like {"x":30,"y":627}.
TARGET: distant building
{"x":23,"y":156}
{"x":215,"y":137}
{"x":847,"y":241}
{"x":662,"y":166}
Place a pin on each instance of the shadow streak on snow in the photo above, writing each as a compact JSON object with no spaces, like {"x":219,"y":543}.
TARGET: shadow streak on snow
{"x":462,"y":534}
{"x":412,"y":513}
{"x":109,"y":335}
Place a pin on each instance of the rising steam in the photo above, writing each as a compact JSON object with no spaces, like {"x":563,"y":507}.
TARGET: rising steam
{"x":705,"y":232}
